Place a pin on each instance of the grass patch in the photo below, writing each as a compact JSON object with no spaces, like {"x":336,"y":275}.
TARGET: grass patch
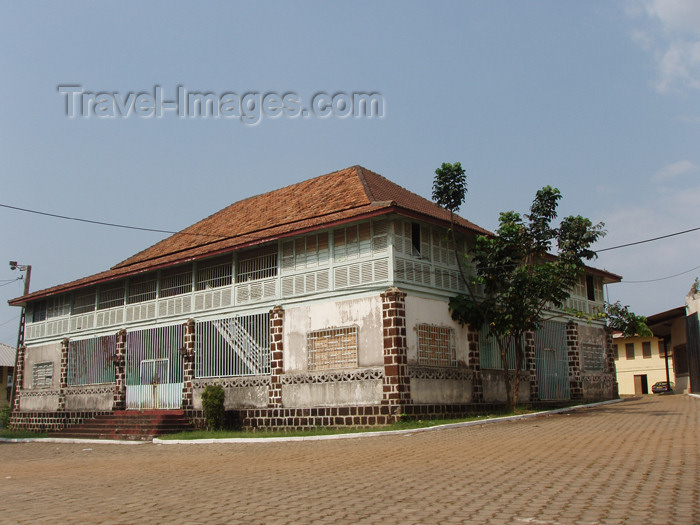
{"x":20,"y":434}
{"x":409,"y":424}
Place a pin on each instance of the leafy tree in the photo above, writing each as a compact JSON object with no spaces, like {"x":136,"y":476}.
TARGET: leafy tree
{"x":630,"y":324}
{"x":517,"y":277}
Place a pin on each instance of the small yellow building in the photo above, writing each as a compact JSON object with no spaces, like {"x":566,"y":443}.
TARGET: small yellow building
{"x":643,"y":361}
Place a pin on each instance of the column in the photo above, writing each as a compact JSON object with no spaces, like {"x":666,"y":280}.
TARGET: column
{"x":276,"y":357}
{"x":119,"y":361}
{"x":188,"y":364}
{"x":474,"y":364}
{"x":63,"y":378}
{"x":574,"y":354}
{"x":397,"y":386}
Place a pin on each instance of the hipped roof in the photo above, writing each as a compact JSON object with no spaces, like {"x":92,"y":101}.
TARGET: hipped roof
{"x":342,"y":196}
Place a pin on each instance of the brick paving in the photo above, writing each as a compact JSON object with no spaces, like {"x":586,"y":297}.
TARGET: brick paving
{"x":633,"y":462}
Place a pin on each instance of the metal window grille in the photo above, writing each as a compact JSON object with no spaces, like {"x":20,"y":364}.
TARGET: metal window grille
{"x":42,"y":375}
{"x":161,"y":343}
{"x":646,"y":350}
{"x":154,"y":367}
{"x":592,"y":356}
{"x":90,"y":361}
{"x":111,"y":296}
{"x":234,"y":346}
{"x":259,"y":263}
{"x":215,"y":273}
{"x":84,"y":302}
{"x":436,"y":345}
{"x":629,"y":350}
{"x":332,"y":348}
{"x":142,"y":288}
{"x":490,"y":353}
{"x":176,"y":281}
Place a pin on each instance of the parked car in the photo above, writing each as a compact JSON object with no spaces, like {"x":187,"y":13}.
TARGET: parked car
{"x":660,"y":387}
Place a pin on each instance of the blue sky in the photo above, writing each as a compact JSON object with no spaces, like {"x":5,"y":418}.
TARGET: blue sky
{"x":599,"y":99}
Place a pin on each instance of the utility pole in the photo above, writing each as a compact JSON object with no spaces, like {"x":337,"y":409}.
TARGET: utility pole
{"x":20,"y":333}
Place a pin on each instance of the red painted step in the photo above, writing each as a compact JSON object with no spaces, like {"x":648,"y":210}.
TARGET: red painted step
{"x":134,"y":425}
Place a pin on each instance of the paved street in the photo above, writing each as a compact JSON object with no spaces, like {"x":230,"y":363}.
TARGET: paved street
{"x":632,"y":462}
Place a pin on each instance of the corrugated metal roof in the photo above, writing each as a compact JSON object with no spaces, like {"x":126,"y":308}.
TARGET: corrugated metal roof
{"x":7,"y":355}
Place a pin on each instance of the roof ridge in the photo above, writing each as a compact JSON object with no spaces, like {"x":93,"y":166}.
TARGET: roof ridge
{"x":361,"y":175}
{"x":186,"y":230}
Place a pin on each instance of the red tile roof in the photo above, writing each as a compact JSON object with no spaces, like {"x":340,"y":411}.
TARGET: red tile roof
{"x":341,"y":196}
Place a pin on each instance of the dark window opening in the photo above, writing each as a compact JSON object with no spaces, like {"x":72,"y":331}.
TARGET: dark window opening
{"x":629,"y":350}
{"x":39,"y":312}
{"x":646,"y":350}
{"x":590,"y":290}
{"x":415,"y":238}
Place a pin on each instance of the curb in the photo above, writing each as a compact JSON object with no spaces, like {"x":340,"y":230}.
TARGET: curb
{"x":158,"y":441}
{"x":446,"y":426}
{"x":72,"y":440}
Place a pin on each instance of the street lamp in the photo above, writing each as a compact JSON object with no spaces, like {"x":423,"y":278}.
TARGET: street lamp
{"x":20,"y":333}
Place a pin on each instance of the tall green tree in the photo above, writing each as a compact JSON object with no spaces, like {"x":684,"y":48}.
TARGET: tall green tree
{"x":523,"y":272}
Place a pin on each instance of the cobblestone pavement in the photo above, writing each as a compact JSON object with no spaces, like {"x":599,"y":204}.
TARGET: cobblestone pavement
{"x":634,"y":462}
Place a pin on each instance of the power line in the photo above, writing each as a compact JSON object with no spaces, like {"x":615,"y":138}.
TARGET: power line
{"x":114,"y":225}
{"x":661,"y":278}
{"x":648,"y":240}
{"x":9,"y":321}
{"x":101,"y":223}
{"x":11,"y":281}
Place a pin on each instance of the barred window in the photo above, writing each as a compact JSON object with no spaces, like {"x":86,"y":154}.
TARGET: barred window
{"x":111,"y":296}
{"x":646,"y":350}
{"x":215,"y":272}
{"x":260,"y":263}
{"x":332,"y":348}
{"x":176,"y":281}
{"x":84,"y":301}
{"x":592,"y":356}
{"x":436,"y":346}
{"x":233,"y":346}
{"x":90,"y":361}
{"x":616,"y":352}
{"x":490,"y":352}
{"x":42,"y":375}
{"x":143,"y":288}
{"x":629,"y":350}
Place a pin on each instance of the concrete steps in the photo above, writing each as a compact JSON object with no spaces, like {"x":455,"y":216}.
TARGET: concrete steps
{"x":133,"y":425}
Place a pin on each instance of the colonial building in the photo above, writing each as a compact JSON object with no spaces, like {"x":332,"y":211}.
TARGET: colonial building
{"x":321,"y":303}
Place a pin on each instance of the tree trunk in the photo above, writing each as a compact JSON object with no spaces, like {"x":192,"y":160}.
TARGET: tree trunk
{"x":519,"y":355}
{"x":506,"y":373}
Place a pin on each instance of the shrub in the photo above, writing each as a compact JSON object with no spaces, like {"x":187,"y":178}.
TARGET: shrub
{"x":213,"y":406}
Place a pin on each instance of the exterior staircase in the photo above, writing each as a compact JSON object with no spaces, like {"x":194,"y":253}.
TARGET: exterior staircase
{"x":131,"y":425}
